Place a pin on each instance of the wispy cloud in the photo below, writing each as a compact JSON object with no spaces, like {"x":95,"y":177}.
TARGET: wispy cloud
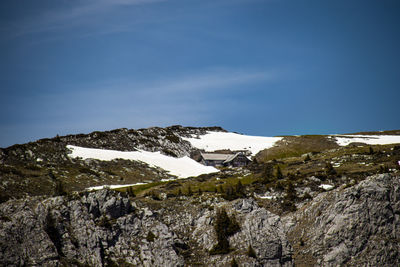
{"x":182,"y":98}
{"x":201,"y":84}
{"x":82,"y":13}
{"x":211,"y":80}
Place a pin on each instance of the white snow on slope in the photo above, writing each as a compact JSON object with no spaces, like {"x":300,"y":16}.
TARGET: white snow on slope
{"x":220,"y":140}
{"x":112,"y":186}
{"x":326,"y":186}
{"x":181,"y":167}
{"x":344,"y":140}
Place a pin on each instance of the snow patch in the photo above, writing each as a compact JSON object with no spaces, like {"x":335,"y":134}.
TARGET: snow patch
{"x":181,"y":167}
{"x":344,"y":140}
{"x":326,"y":186}
{"x":212,"y":141}
{"x":265,"y":196}
{"x":92,"y":188}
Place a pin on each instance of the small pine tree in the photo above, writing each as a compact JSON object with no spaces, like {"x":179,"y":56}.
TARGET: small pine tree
{"x":371,"y":150}
{"x":200,"y":192}
{"x":190,"y":192}
{"x":267,"y":174}
{"x":179,"y":192}
{"x":291,"y":176}
{"x":224,"y":228}
{"x":52,"y":176}
{"x":279,"y":174}
{"x":130,"y":192}
{"x":384,"y":169}
{"x":279,"y":186}
{"x":239,"y":189}
{"x":290,"y":192}
{"x":229,"y":193}
{"x":59,"y":189}
{"x":221,"y":189}
{"x":234,"y":263}
{"x":250,"y":252}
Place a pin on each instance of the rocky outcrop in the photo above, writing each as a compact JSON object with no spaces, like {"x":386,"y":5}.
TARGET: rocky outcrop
{"x":103,"y":228}
{"x":97,"y":229}
{"x":354,"y":226}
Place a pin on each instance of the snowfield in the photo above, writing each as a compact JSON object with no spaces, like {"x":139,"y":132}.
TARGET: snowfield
{"x":181,"y":167}
{"x":344,"y":140}
{"x":220,"y":140}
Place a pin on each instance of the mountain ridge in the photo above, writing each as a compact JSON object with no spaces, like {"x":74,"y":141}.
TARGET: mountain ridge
{"x":302,"y":201}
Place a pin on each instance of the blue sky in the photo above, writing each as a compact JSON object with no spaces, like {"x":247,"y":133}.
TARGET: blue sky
{"x":258,"y":67}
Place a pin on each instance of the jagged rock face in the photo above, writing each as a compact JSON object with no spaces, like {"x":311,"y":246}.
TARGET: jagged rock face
{"x":356,"y":226}
{"x":99,"y":229}
{"x":265,"y":233}
{"x":103,"y":228}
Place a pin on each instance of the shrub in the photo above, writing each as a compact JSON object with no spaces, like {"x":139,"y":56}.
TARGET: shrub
{"x":150,"y":236}
{"x":279,"y":174}
{"x":105,"y":222}
{"x":370,"y":151}
{"x":59,"y":189}
{"x":290,"y":192}
{"x":307,"y":196}
{"x":154,"y":195}
{"x":383,"y":169}
{"x":288,"y":205}
{"x":169,"y":153}
{"x":190,"y":192}
{"x":130,"y":192}
{"x":232,"y":193}
{"x":267,"y":174}
{"x":221,"y":189}
{"x":239,"y":189}
{"x":329,"y":170}
{"x":279,"y":186}
{"x":172,"y":138}
{"x":229,"y":193}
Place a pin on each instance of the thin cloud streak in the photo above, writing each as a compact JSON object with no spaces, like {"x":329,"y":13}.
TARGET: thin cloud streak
{"x":212,"y":80}
{"x":87,"y":14}
{"x":224,"y":80}
{"x":181,"y":98}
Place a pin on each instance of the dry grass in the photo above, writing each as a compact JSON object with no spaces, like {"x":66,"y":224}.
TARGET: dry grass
{"x":295,"y":146}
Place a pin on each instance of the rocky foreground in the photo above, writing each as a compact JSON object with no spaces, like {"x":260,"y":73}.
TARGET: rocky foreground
{"x":353,"y":226}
